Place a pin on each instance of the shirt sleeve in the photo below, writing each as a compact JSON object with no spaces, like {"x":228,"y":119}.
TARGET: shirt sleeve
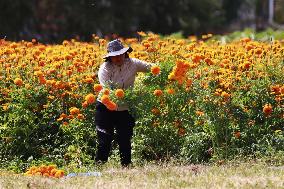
{"x":103,"y":75}
{"x":141,"y":66}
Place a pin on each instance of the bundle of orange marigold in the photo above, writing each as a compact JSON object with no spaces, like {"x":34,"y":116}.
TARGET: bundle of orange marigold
{"x":45,"y":170}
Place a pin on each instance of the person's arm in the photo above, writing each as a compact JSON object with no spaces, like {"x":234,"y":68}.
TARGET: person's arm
{"x":103,"y":75}
{"x":142,"y":66}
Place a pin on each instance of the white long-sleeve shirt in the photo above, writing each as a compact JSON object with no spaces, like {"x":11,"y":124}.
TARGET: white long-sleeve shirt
{"x":123,"y":77}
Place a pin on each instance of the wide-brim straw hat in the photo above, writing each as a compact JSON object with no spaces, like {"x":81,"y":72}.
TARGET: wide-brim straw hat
{"x":115,"y":48}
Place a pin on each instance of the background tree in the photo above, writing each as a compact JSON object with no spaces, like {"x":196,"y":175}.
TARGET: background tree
{"x":56,"y":20}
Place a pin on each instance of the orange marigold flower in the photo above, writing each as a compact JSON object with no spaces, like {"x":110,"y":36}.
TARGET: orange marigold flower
{"x":41,"y":63}
{"x":147,"y":45}
{"x":80,"y":116}
{"x":106,"y":91}
{"x":189,"y":82}
{"x":74,"y":111}
{"x":42,"y":80}
{"x":196,"y":58}
{"x":267,"y":109}
{"x":208,"y":61}
{"x":249,"y":47}
{"x":33,"y":169}
{"x":181,"y":131}
{"x":70,"y":116}
{"x":170,"y":91}
{"x":158,"y":92}
{"x":27,"y":86}
{"x":119,"y":93}
{"x":63,"y":115}
{"x":38,"y":73}
{"x":225,"y":95}
{"x":53,"y":171}
{"x":90,"y":98}
{"x":69,"y":72}
{"x":98,"y":87}
{"x":282,"y":90}
{"x":50,"y":167}
{"x":84,"y":104}
{"x":13,"y":45}
{"x":171,"y":76}
{"x":89,"y":80}
{"x":246,"y":65}
{"x":275,"y":89}
{"x":65,"y":42}
{"x":50,"y":71}
{"x":246,"y":39}
{"x":278,"y":99}
{"x":156,"y":124}
{"x":180,"y":80}
{"x":155,"y":70}
{"x":199,"y":113}
{"x":105,"y":99}
{"x":42,"y":168}
{"x":5,"y":107}
{"x":237,"y":134}
{"x":29,"y":44}
{"x":155,"y":111}
{"x":141,"y":33}
{"x":102,"y":41}
{"x":258,"y":51}
{"x":18,"y":82}
{"x":111,"y":106}
{"x":59,"y":174}
{"x":177,"y":124}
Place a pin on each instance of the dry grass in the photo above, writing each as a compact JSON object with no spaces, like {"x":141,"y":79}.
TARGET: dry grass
{"x":241,"y":175}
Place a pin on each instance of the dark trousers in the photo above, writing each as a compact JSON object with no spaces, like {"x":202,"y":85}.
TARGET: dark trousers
{"x":107,"y":122}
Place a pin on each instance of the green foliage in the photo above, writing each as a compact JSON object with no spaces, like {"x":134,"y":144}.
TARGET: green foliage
{"x":197,"y":148}
{"x":193,"y":124}
{"x":266,"y":35}
{"x":30,"y":131}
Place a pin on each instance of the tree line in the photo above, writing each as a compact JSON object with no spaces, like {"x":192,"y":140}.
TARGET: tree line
{"x":56,"y":20}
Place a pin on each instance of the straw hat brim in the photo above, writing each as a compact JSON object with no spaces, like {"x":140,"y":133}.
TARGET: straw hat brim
{"x":116,"y":53}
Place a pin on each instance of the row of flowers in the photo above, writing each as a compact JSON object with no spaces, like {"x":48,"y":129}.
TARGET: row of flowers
{"x":194,"y":86}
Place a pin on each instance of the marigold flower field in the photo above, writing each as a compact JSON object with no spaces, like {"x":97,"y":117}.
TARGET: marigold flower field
{"x":203,"y":99}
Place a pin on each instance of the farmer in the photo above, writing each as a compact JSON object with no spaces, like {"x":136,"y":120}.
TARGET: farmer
{"x":117,"y":72}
